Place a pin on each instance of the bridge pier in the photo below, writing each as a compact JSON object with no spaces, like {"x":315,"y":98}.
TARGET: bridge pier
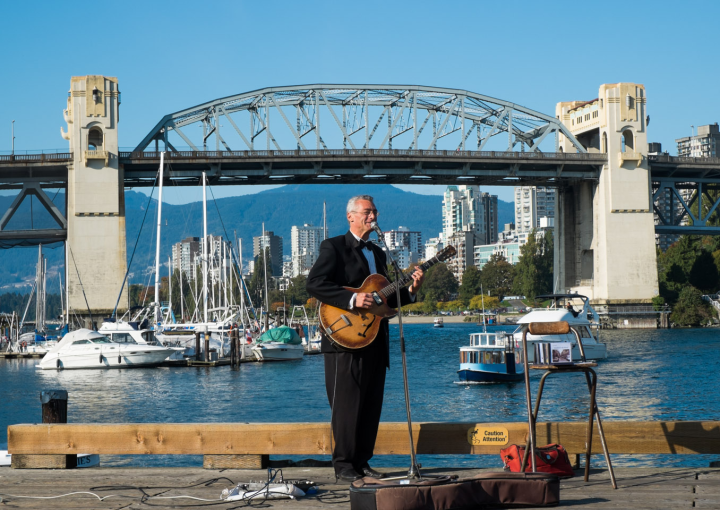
{"x":95,"y":198}
{"x":605,"y":242}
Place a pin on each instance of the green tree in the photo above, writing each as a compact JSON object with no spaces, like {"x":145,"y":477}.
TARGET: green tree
{"x":488,"y":302}
{"x":497,"y":276}
{"x":296,"y":293}
{"x":470,"y":285}
{"x":439,"y":285}
{"x":704,"y":272}
{"x":690,"y":309}
{"x":534,"y":270}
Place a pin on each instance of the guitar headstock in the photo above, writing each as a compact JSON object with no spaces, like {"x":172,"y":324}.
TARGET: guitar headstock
{"x":446,"y":253}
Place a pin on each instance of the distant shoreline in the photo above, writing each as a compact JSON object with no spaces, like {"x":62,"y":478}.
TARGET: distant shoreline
{"x":447,"y":319}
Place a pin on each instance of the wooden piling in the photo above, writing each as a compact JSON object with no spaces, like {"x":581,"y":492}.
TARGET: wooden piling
{"x":206,"y":351}
{"x":54,"y":410}
{"x":234,"y":349}
{"x":197,"y":347}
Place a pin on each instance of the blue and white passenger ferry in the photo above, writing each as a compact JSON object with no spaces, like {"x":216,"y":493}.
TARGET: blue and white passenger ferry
{"x":491,"y":357}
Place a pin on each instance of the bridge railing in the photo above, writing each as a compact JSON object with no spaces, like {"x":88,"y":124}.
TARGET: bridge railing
{"x":666,"y":158}
{"x":56,"y":156}
{"x":590,"y":157}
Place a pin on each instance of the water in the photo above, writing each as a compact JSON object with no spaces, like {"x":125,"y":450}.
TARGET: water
{"x":649,"y":375}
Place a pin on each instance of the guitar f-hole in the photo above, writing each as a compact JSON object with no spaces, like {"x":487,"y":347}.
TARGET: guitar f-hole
{"x":368,"y":327}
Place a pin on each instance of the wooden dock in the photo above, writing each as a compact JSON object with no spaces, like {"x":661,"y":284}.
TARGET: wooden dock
{"x":656,"y":489}
{"x":228,"y":446}
{"x":20,"y":355}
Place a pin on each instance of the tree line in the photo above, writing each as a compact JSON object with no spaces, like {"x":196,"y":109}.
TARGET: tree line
{"x":688,"y":269}
{"x":531,"y":276}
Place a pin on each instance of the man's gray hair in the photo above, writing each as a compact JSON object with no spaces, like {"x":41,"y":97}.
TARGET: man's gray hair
{"x":351,"y":203}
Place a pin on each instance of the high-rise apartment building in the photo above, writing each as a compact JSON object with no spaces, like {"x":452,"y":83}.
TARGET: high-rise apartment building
{"x":406,"y":245}
{"x":705,"y":144}
{"x":532,"y":204}
{"x":470,"y":218}
{"x":184,"y":254}
{"x":305,"y":247}
{"x":490,"y":204}
{"x":275,"y":244}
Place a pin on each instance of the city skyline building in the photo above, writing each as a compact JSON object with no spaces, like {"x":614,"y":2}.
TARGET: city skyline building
{"x":532,"y":204}
{"x":704,"y":144}
{"x":305,"y":247}
{"x":406,"y":245}
{"x":275,"y":244}
{"x":184,"y":254}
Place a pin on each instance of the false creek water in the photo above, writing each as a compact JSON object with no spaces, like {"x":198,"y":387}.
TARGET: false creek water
{"x":649,"y":375}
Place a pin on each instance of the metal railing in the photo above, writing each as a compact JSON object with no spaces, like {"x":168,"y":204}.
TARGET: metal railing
{"x":590,"y":157}
{"x":666,"y":158}
{"x":54,"y":156}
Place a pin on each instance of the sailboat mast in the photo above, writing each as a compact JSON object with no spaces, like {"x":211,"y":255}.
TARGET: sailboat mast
{"x":204,"y":254}
{"x":67,"y":288}
{"x":264,"y":249}
{"x":169,"y":284}
{"x":242,"y":290}
{"x":157,"y":244}
{"x":324,"y":222}
{"x":182,"y":309}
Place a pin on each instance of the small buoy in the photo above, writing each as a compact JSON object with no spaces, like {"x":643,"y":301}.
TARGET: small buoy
{"x":57,"y":363}
{"x":101,"y":359}
{"x":119,"y":359}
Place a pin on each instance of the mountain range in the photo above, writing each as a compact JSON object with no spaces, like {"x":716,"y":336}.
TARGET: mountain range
{"x":279,"y":209}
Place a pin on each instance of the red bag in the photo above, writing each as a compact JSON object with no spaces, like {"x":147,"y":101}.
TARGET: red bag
{"x":548,"y":459}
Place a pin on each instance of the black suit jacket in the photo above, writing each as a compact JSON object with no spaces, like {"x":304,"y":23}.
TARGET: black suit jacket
{"x":342,"y":264}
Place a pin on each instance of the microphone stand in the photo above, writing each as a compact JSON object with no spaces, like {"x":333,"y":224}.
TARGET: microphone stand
{"x":414,"y":471}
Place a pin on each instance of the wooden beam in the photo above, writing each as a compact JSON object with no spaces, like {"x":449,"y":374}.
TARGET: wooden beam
{"x":314,"y":438}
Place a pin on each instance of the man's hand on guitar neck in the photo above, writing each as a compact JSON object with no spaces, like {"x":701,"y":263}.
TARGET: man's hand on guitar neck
{"x":418,"y":277}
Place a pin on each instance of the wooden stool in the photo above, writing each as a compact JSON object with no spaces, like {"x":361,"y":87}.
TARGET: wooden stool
{"x":561,"y":328}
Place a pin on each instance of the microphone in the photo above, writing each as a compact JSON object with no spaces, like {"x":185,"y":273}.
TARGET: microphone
{"x":377,"y":230}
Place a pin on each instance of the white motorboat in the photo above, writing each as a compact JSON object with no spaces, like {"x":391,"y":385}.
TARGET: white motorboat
{"x":89,"y":349}
{"x":585,"y":321}
{"x":279,"y":344}
{"x":438,"y":322}
{"x":122,"y":332}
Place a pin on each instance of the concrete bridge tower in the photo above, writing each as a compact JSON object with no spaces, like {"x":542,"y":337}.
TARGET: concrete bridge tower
{"x":95,"y":197}
{"x":604,"y":231}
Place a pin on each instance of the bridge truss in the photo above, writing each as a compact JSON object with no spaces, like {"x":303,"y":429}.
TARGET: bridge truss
{"x":686,"y":195}
{"x":326,"y":117}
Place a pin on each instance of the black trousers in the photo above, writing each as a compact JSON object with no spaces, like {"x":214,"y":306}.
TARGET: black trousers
{"x":355,"y":384}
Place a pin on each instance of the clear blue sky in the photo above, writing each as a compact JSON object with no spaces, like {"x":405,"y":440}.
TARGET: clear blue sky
{"x":172,"y":55}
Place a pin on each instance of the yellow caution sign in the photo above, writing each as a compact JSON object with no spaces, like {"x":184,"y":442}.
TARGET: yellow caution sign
{"x":488,"y":435}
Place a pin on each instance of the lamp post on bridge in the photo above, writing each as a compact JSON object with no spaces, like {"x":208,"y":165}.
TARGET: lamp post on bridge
{"x":13,"y":138}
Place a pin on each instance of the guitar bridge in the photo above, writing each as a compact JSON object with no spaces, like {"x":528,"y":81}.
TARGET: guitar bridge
{"x":330,"y":331}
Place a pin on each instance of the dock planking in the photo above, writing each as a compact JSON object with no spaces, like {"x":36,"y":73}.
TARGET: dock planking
{"x":639,"y":488}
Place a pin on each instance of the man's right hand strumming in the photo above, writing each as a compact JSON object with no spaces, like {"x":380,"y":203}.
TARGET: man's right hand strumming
{"x":363,"y":300}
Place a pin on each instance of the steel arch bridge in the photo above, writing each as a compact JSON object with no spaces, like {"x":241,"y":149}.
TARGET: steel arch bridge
{"x":324,"y":116}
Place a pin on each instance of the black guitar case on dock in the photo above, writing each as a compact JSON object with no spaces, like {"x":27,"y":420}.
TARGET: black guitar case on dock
{"x":450,"y":493}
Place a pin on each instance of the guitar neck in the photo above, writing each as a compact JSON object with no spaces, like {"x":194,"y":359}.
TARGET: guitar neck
{"x":406,"y":278}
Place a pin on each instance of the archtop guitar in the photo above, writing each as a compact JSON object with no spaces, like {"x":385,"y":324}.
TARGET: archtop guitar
{"x":357,"y":328}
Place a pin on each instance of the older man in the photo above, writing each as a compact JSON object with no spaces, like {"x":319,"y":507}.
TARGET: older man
{"x":355,"y":379}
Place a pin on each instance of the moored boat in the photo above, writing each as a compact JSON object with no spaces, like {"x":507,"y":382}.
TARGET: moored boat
{"x":585,"y":321}
{"x":491,"y":357}
{"x":84,"y":348}
{"x":279,"y":344}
